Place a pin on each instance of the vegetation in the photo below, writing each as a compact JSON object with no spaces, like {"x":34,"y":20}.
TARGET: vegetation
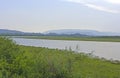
{"x":35,"y":62}
{"x":101,"y":38}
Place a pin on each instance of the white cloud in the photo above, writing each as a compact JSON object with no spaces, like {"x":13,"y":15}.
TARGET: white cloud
{"x":113,"y":1}
{"x":101,"y":8}
{"x":93,"y":5}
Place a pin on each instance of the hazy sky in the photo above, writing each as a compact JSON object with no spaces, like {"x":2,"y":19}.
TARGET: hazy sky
{"x":42,"y":15}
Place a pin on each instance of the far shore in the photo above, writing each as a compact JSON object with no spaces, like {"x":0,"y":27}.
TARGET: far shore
{"x":75,"y":38}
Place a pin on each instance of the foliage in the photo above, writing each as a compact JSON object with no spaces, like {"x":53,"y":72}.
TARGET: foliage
{"x":35,"y":62}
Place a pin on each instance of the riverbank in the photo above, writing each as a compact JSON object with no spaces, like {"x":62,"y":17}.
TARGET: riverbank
{"x":100,"y":39}
{"x":100,"y":49}
{"x":35,"y":62}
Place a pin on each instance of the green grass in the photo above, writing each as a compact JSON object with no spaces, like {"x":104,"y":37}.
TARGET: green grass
{"x":102,"y":39}
{"x":35,"y":62}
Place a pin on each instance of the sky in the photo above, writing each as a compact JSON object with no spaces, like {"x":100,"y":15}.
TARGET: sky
{"x":44,"y":15}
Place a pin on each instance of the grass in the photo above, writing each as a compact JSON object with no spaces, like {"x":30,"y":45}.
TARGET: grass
{"x":102,"y":39}
{"x":35,"y":62}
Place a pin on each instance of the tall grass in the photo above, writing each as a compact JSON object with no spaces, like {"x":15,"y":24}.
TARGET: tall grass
{"x":35,"y":62}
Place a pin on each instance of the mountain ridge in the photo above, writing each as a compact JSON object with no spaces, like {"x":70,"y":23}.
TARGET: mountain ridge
{"x":16,"y":32}
{"x":70,"y":32}
{"x":85,"y":32}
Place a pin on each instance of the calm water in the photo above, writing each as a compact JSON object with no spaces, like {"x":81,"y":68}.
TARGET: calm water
{"x":102,"y":49}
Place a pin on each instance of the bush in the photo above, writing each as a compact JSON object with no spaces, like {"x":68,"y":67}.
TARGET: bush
{"x":17,"y":63}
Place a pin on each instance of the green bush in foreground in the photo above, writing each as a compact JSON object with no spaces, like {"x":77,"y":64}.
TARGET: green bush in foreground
{"x":34,"y":62}
{"x":10,"y":58}
{"x":18,"y":63}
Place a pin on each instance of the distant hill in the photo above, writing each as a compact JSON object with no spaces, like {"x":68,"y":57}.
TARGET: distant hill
{"x":6,"y":31}
{"x":15,"y":33}
{"x":61,"y":32}
{"x":83,"y":32}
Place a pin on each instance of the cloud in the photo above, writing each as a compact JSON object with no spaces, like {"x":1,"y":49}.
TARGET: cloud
{"x":113,"y":1}
{"x":93,"y":5}
{"x":101,"y":8}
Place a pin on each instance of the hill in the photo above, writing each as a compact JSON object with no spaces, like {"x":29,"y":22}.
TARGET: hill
{"x":83,"y":32}
{"x":61,"y":32}
{"x":6,"y":31}
{"x":15,"y":33}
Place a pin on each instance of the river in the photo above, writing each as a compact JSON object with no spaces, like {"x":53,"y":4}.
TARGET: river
{"x":108,"y":50}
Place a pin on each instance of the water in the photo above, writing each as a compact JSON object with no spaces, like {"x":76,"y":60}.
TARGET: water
{"x":108,"y":50}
